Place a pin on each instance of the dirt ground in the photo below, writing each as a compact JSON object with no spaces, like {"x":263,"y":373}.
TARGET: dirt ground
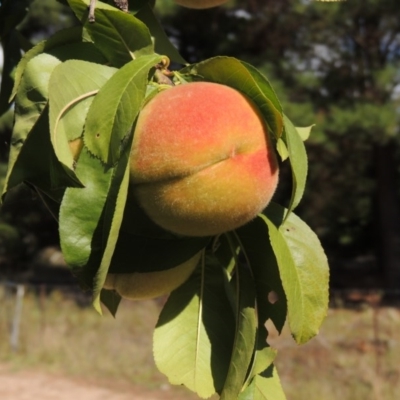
{"x":31,"y":384}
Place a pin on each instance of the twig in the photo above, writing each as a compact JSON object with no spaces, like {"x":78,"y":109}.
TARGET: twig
{"x":163,"y":75}
{"x":122,"y":5}
{"x":92,"y":7}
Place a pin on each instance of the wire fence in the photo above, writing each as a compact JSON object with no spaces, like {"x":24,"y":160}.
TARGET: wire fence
{"x":12,"y":299}
{"x":14,"y":293}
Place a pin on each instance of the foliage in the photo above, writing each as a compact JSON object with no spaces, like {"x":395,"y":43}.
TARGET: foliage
{"x":90,"y":83}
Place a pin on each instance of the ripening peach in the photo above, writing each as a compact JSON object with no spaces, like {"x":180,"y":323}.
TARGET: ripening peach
{"x":200,"y":4}
{"x":202,"y":161}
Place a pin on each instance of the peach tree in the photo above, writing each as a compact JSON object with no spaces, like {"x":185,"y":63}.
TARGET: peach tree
{"x":135,"y":211}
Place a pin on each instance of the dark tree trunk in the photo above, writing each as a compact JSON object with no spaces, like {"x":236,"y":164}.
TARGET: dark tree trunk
{"x":388,"y":208}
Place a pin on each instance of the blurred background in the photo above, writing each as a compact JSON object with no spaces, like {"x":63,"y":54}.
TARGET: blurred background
{"x":335,"y":65}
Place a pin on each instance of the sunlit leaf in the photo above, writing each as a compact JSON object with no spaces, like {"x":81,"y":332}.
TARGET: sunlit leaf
{"x":115,"y":107}
{"x":120,"y":36}
{"x":194,"y":335}
{"x":71,"y":35}
{"x":30,"y":101}
{"x":298,"y":162}
{"x":282,"y":149}
{"x":32,"y":95}
{"x":33,"y":88}
{"x":303,"y":270}
{"x":264,"y":355}
{"x":73,"y":85}
{"x":265,"y":386}
{"x":304,"y":131}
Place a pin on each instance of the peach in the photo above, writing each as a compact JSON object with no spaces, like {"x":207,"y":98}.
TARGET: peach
{"x":200,"y":4}
{"x":148,"y":285}
{"x":202,"y":161}
{"x":76,"y":146}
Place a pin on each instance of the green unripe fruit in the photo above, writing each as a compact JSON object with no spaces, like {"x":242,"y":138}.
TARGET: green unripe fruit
{"x":148,"y":285}
{"x":202,"y":161}
{"x":200,"y":4}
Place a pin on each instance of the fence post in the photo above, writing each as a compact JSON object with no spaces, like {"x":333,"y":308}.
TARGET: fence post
{"x":17,"y":317}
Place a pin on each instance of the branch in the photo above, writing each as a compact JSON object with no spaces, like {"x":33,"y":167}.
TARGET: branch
{"x":121,"y":4}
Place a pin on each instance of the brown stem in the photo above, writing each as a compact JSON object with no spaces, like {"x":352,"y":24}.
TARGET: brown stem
{"x":122,"y":5}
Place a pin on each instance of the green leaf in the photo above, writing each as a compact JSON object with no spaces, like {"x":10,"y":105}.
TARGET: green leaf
{"x":265,"y":386}
{"x":32,"y":91}
{"x":65,"y":36}
{"x":194,"y":335}
{"x":264,"y":355}
{"x":36,"y":162}
{"x":32,"y":95}
{"x":245,"y":78}
{"x":51,"y":200}
{"x":113,"y":215}
{"x":253,"y":240}
{"x":246,"y":329}
{"x":81,"y":210}
{"x":162,"y":43}
{"x":73,"y":84}
{"x":84,"y":51}
{"x":21,"y":67}
{"x":304,"y":131}
{"x":303,"y":270}
{"x":255,"y":243}
{"x":298,"y":162}
{"x":263,"y":83}
{"x":282,"y":149}
{"x":115,"y":107}
{"x":121,"y":37}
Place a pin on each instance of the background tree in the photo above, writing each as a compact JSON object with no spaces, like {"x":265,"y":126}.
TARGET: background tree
{"x":26,"y":227}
